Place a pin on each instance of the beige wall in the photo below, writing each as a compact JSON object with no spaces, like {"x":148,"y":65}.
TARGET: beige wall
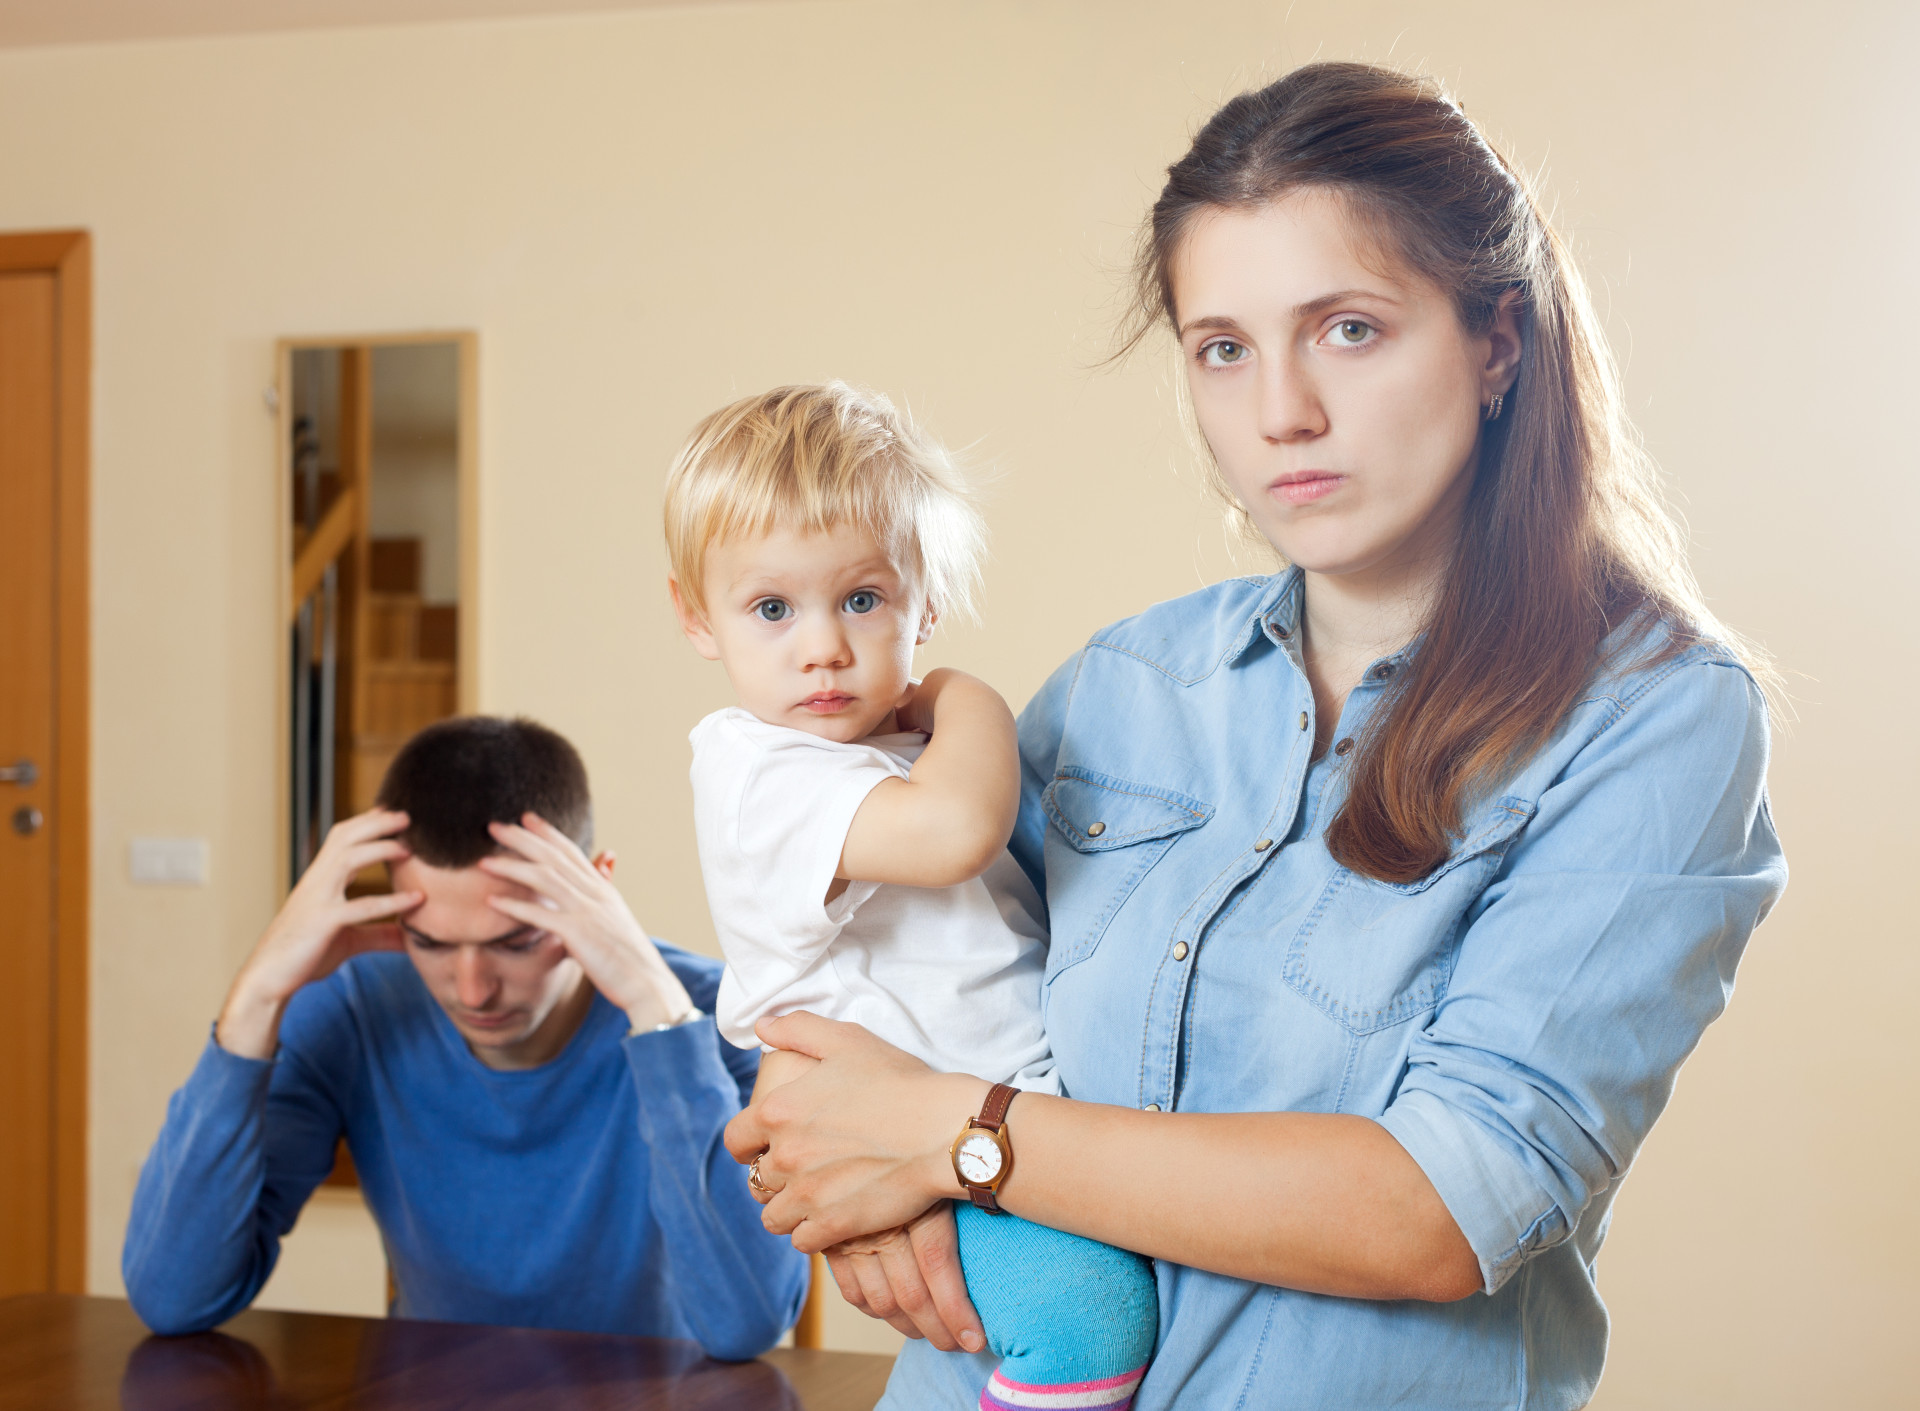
{"x":645,"y":214}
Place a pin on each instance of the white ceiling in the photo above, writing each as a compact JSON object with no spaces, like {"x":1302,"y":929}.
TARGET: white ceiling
{"x":91,"y":21}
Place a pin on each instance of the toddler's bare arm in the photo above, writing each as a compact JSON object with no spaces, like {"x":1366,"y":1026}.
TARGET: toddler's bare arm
{"x":949,"y":821}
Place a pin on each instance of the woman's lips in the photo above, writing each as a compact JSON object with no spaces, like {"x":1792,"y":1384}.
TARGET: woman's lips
{"x":827,"y":703}
{"x":1302,"y":487}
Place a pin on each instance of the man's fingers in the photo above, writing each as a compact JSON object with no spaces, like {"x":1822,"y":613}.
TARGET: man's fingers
{"x":367,"y":854}
{"x":374,"y":823}
{"x":534,"y":876}
{"x":378,"y":907}
{"x":548,"y":844}
{"x":807,"y":1033}
{"x":935,"y":1242}
{"x":531,"y":913}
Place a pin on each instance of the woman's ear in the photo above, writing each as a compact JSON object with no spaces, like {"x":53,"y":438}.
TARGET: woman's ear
{"x":1503,"y":348}
{"x":693,"y":623}
{"x":603,"y":862}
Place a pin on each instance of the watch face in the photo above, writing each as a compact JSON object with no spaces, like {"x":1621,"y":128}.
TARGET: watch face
{"x":978,"y":1159}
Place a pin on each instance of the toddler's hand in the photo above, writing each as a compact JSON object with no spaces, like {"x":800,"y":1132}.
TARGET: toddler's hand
{"x":914,"y":711}
{"x":778,"y":1067}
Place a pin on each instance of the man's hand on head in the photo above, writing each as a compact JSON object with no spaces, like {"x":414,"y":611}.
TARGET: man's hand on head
{"x":575,"y":900}
{"x":318,"y":928}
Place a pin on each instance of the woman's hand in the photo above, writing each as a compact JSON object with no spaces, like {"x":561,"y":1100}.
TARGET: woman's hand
{"x":316,"y":931}
{"x":911,"y":1279}
{"x":576,"y":901}
{"x":858,"y":1145}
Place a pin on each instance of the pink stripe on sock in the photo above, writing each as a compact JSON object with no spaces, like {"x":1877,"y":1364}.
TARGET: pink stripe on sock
{"x":1124,"y":1379}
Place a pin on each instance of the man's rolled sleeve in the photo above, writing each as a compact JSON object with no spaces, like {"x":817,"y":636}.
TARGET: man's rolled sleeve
{"x":1603,"y":948}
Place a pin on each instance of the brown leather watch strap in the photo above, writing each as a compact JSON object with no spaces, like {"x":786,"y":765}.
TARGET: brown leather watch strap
{"x":993,"y":1112}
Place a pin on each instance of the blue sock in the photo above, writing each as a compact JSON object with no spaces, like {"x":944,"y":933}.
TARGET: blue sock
{"x":1072,"y":1321}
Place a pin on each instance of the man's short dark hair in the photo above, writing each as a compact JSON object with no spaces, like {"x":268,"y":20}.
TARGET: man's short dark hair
{"x":457,"y":776}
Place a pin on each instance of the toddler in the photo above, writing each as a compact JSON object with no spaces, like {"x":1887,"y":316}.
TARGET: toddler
{"x":853,"y":825}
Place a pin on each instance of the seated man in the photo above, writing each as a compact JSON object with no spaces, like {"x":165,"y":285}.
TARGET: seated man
{"x":534,"y":1092}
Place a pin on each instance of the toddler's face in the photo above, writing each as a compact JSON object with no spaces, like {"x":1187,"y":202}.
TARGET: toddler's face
{"x":816,"y":631}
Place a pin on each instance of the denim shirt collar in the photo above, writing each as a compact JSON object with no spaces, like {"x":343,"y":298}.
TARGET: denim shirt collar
{"x":1277,"y":618}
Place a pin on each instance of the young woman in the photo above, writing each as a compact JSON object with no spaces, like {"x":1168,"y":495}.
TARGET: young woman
{"x":1387,"y":895}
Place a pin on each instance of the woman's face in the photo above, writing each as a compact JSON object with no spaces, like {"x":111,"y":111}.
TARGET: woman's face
{"x":1340,"y":394}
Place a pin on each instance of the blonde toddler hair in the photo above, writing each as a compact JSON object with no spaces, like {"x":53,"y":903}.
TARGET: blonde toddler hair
{"x":817,"y":458}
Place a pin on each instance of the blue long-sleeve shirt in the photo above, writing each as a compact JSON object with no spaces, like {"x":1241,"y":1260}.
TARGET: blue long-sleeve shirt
{"x":591,"y":1193}
{"x":1515,"y":1018}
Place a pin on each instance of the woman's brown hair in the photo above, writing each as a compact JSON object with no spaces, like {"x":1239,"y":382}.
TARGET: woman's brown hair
{"x":1564,"y":537}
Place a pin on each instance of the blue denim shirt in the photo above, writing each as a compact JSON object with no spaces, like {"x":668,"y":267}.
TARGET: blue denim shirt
{"x":1515,"y":1019}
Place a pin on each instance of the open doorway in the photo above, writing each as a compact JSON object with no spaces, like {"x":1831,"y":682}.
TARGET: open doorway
{"x":378,"y":473}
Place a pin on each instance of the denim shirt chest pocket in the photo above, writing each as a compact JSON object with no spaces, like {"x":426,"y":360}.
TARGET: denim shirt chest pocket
{"x":1107,"y":834}
{"x":1373,"y":954}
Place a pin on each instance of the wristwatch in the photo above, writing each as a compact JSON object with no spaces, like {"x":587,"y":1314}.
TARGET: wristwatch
{"x":982,"y":1154}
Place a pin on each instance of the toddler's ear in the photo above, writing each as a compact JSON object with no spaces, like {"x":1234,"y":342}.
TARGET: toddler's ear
{"x":692,"y":623}
{"x":927,"y":621}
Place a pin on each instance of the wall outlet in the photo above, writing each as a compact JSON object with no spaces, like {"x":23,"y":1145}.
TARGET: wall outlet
{"x":168,"y":862}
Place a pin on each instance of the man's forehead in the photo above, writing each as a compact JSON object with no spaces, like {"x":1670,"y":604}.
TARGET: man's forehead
{"x":454,"y":910}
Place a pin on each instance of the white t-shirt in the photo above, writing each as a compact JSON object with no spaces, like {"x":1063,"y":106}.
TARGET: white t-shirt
{"x":950,"y":974}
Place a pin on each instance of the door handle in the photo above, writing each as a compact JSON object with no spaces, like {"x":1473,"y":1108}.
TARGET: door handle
{"x":23,"y":772}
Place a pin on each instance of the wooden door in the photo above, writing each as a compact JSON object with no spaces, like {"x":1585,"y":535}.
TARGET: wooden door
{"x":42,"y":741}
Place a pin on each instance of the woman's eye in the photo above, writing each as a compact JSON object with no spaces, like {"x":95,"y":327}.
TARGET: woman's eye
{"x":866,"y":600}
{"x":773,"y":610}
{"x":1352,"y":333}
{"x":1223,"y":353}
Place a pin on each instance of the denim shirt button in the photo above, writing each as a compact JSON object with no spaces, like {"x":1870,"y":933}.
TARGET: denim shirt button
{"x":1094,"y":830}
{"x":1179,"y":950}
{"x":1263,"y":845}
{"x":1151,"y":1107}
{"x":1345,"y":746}
{"x":1303,"y":720}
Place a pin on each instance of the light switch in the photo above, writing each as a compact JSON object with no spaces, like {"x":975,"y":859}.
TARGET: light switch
{"x":169,"y":862}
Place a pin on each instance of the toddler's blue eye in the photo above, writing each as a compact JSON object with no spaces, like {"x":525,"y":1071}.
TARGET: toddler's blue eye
{"x":865,"y":600}
{"x":773,"y":610}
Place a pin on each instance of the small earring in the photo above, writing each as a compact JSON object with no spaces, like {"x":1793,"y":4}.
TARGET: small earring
{"x":1492,"y":412}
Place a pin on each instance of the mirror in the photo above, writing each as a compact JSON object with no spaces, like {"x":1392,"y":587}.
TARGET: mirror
{"x":377,"y":450}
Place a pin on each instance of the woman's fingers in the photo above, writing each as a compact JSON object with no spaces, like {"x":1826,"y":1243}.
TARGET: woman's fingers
{"x":935,"y":1244}
{"x":746,"y":1135}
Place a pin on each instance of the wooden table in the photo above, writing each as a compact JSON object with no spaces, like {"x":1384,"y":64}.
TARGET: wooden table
{"x":61,"y":1353}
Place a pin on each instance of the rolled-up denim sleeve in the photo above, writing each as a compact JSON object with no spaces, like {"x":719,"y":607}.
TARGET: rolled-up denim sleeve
{"x":1043,"y":722}
{"x":1593,"y":962}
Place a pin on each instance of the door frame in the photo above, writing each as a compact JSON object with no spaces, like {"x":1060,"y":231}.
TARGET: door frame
{"x":467,"y":687}
{"x":68,"y":256}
